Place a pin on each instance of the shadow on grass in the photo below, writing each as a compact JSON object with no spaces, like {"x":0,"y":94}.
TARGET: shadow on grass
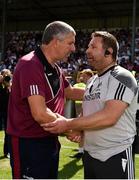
{"x":69,"y":169}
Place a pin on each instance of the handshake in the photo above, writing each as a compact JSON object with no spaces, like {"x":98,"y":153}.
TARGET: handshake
{"x":60,"y":125}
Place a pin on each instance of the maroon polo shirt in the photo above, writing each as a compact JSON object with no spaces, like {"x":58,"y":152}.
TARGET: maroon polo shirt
{"x":34,"y":76}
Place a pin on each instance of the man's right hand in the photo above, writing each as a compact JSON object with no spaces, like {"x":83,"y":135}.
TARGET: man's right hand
{"x":58,"y":126}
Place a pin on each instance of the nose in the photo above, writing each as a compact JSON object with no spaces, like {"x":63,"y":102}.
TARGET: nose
{"x":87,"y":51}
{"x":73,"y":48}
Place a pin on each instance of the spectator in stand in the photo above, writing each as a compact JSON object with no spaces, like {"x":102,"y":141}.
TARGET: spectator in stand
{"x":20,"y":43}
{"x":38,"y":93}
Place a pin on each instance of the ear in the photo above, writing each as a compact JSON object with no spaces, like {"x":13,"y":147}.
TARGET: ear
{"x":54,"y":42}
{"x":110,"y":50}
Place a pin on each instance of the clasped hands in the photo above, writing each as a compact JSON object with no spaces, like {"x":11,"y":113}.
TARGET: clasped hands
{"x":60,"y":126}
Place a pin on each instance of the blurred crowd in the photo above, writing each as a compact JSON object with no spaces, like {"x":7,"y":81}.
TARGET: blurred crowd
{"x":20,"y":43}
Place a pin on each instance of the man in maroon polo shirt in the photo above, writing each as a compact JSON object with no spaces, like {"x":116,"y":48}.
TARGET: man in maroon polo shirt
{"x":37,"y":96}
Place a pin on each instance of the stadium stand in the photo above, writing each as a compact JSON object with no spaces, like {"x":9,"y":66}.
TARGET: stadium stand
{"x":20,"y":43}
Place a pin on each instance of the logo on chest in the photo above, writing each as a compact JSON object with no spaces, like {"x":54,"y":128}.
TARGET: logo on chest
{"x":93,"y":92}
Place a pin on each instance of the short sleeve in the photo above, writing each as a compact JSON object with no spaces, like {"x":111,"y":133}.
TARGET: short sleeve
{"x":31,"y":80}
{"x":118,"y":90}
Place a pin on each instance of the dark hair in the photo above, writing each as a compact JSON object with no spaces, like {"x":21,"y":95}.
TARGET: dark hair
{"x":109,"y":41}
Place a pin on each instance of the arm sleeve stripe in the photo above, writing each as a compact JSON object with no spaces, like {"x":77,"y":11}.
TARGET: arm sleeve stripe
{"x":34,"y":90}
{"x":123,"y":90}
{"x":119,"y":92}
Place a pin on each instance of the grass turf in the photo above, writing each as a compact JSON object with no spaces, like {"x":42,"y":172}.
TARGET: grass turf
{"x":69,"y":168}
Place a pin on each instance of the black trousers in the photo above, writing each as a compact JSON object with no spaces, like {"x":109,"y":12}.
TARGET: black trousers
{"x":120,"y":166}
{"x":36,"y":158}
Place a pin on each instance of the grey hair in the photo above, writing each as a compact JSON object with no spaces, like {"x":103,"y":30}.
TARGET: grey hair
{"x":56,"y":29}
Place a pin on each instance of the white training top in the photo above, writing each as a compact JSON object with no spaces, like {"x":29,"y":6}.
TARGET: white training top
{"x":116,"y":83}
